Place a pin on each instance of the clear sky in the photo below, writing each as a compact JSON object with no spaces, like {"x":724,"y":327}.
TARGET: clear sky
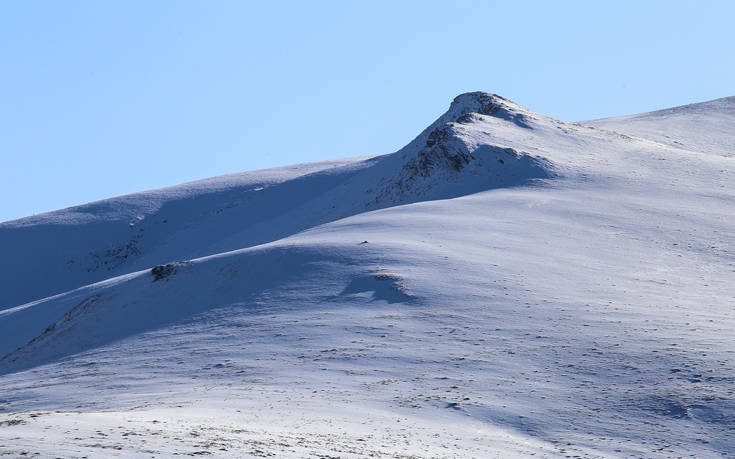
{"x":105,"y":98}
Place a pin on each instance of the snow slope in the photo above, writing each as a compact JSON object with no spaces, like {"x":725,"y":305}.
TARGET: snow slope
{"x":81,"y":245}
{"x":706,"y":127}
{"x":507,"y":284}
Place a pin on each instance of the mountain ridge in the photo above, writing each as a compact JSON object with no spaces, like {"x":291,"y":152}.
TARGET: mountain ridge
{"x":704,"y":127}
{"x":426,"y":165}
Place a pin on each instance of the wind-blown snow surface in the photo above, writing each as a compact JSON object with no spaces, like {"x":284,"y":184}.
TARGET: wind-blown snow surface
{"x":505,"y":285}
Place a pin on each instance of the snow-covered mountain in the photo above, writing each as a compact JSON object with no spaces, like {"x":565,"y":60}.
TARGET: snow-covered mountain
{"x":507,"y":284}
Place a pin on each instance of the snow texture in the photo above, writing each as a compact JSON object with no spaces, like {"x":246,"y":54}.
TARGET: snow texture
{"x":505,"y":285}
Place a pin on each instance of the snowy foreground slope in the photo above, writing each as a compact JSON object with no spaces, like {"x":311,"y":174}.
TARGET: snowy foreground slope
{"x":506,"y":285}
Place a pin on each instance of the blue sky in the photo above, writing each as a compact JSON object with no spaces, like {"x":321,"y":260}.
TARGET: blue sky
{"x":106,"y":98}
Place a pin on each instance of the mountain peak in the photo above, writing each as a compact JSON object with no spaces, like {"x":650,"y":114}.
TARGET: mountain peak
{"x":478,"y":100}
{"x":489,"y":104}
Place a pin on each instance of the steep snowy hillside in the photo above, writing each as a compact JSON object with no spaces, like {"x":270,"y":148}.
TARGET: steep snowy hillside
{"x":505,"y":285}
